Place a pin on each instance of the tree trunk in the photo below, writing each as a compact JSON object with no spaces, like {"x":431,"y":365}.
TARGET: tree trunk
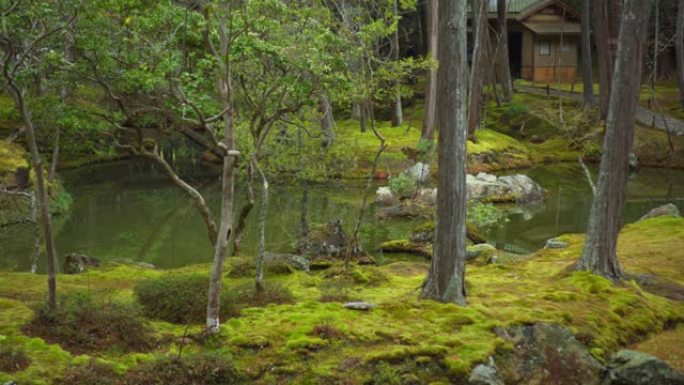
{"x":480,"y":14}
{"x":55,"y":155}
{"x":679,"y":49}
{"x":225,"y":85}
{"x":241,"y":225}
{"x":428,"y":131}
{"x":397,"y":112}
{"x":304,"y":214}
{"x":587,"y":78}
{"x":446,"y":279}
{"x":607,"y":23}
{"x":599,"y":254}
{"x":327,"y":121}
{"x":41,"y":189}
{"x":506,"y":81}
{"x":261,"y":255}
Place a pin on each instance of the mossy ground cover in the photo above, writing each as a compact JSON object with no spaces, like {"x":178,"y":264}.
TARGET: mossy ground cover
{"x":317,"y":342}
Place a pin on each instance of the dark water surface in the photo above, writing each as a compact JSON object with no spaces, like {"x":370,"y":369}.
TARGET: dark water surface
{"x":129,"y":210}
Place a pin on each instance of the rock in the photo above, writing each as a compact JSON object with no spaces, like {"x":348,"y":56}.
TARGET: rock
{"x":78,"y":263}
{"x":554,"y":243}
{"x":545,"y":354}
{"x":297,"y":262}
{"x":669,"y":209}
{"x":509,"y":188}
{"x":426,"y":232}
{"x":485,"y":375}
{"x":427,"y":196}
{"x":365,"y":306}
{"x":633,"y":161}
{"x":420,"y":172}
{"x":407,"y":246}
{"x":145,"y":265}
{"x":628,"y":367}
{"x":384,"y":197}
{"x":128,"y":261}
{"x":483,"y":251}
{"x":406,"y":209}
{"x":325,"y":244}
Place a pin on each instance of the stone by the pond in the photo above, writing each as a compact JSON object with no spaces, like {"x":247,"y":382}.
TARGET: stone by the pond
{"x":555,"y":243}
{"x":509,"y":188}
{"x":628,"y":367}
{"x":359,"y":306}
{"x":77,"y":263}
{"x":485,"y":374}
{"x":633,"y":160}
{"x":384,"y":197}
{"x":483,"y":251}
{"x":419,"y":172}
{"x":543,"y":354}
{"x":325,"y":244}
{"x":669,"y":209}
{"x":297,"y":262}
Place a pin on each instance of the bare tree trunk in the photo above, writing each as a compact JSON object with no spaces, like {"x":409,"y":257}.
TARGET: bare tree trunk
{"x":587,"y":78}
{"x":327,"y":121}
{"x":303,"y":221}
{"x":679,"y":49}
{"x":261,"y":256}
{"x":225,"y":84}
{"x":599,"y":254}
{"x":506,"y":81}
{"x":244,"y":213}
{"x":428,"y":131}
{"x":55,"y":155}
{"x":607,"y":24}
{"x":41,"y":190}
{"x":480,"y":14}
{"x":446,"y":279}
{"x":397,"y":114}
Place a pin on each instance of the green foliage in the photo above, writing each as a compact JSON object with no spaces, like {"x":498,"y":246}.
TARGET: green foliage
{"x":91,"y":373}
{"x":385,"y":374}
{"x":12,"y":358}
{"x":85,"y":323}
{"x":403,"y":186}
{"x":483,"y":214}
{"x":246,"y":295}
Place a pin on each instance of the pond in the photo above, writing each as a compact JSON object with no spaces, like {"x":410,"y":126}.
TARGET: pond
{"x":129,"y":210}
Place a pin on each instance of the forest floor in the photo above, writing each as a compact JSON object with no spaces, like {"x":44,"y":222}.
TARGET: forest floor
{"x":315,"y":340}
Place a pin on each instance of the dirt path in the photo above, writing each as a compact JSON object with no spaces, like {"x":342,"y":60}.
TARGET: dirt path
{"x":644,"y":116}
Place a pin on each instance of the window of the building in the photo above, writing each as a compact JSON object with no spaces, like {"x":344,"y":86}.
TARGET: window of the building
{"x":544,"y":48}
{"x":566,"y":46}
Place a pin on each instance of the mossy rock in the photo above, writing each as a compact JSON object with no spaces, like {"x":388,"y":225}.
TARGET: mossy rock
{"x":426,"y":232}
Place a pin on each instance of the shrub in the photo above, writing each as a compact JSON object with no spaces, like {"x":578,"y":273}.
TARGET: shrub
{"x":13,"y":359}
{"x":83,"y":323}
{"x":483,"y":214}
{"x":246,"y":267}
{"x":403,"y":186}
{"x":91,"y":373}
{"x":178,"y":298}
{"x":336,"y":290}
{"x":246,"y":295}
{"x":203,"y":369}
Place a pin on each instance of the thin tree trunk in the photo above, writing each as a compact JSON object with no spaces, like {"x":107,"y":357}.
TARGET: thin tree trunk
{"x":480,"y":14}
{"x":679,"y":49}
{"x":55,"y":155}
{"x":587,"y":78}
{"x":263,"y":210}
{"x":398,"y":113}
{"x":506,"y":81}
{"x":327,"y":121}
{"x":41,"y":189}
{"x":303,"y":221}
{"x":428,"y":131}
{"x":446,"y":279}
{"x":241,"y":225}
{"x":228,"y":173}
{"x":607,"y":22}
{"x":599,"y":254}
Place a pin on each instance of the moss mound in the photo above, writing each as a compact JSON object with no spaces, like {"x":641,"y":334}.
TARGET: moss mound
{"x":13,"y":359}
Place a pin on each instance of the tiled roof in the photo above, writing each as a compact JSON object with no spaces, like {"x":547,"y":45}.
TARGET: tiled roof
{"x":515,"y":6}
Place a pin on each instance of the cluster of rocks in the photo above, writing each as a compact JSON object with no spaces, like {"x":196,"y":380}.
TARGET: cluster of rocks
{"x":550,"y":354}
{"x":326,"y":244}
{"x":482,"y":187}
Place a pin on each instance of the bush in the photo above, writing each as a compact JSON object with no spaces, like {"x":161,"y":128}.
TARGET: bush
{"x":246,"y":267}
{"x":13,"y":359}
{"x":178,"y":298}
{"x":483,"y":214}
{"x":194,"y":370}
{"x":246,"y":295}
{"x":82,"y":323}
{"x":91,"y":373}
{"x":403,"y":186}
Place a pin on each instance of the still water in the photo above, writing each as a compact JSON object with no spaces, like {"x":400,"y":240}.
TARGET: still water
{"x":129,"y":210}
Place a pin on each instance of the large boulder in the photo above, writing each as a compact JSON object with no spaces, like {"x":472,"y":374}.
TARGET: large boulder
{"x":385,"y":197}
{"x":669,"y":209}
{"x":628,"y":367}
{"x":541,"y":354}
{"x":77,"y":263}
{"x":509,"y":188}
{"x":419,"y":172}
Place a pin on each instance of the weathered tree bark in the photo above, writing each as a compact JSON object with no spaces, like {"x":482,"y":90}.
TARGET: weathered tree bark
{"x":599,"y":254}
{"x":607,"y":23}
{"x":477,"y":70}
{"x":397,"y":112}
{"x":506,"y":81}
{"x":587,"y":78}
{"x":263,"y":210}
{"x":41,"y":189}
{"x":446,"y":279}
{"x":679,"y":49}
{"x":241,"y":225}
{"x":428,"y":131}
{"x":225,"y":85}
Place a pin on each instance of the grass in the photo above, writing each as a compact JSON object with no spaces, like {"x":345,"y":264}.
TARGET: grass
{"x":314,"y":341}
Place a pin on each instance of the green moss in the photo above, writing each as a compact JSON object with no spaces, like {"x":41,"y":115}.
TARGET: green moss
{"x":12,"y":157}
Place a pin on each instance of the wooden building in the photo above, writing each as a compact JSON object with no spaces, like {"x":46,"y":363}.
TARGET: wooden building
{"x":543,"y":38}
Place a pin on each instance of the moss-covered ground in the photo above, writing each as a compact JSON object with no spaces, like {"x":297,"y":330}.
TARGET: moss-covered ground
{"x":315,"y":342}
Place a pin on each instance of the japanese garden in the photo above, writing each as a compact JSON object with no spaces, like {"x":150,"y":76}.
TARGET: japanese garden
{"x":353,"y":192}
